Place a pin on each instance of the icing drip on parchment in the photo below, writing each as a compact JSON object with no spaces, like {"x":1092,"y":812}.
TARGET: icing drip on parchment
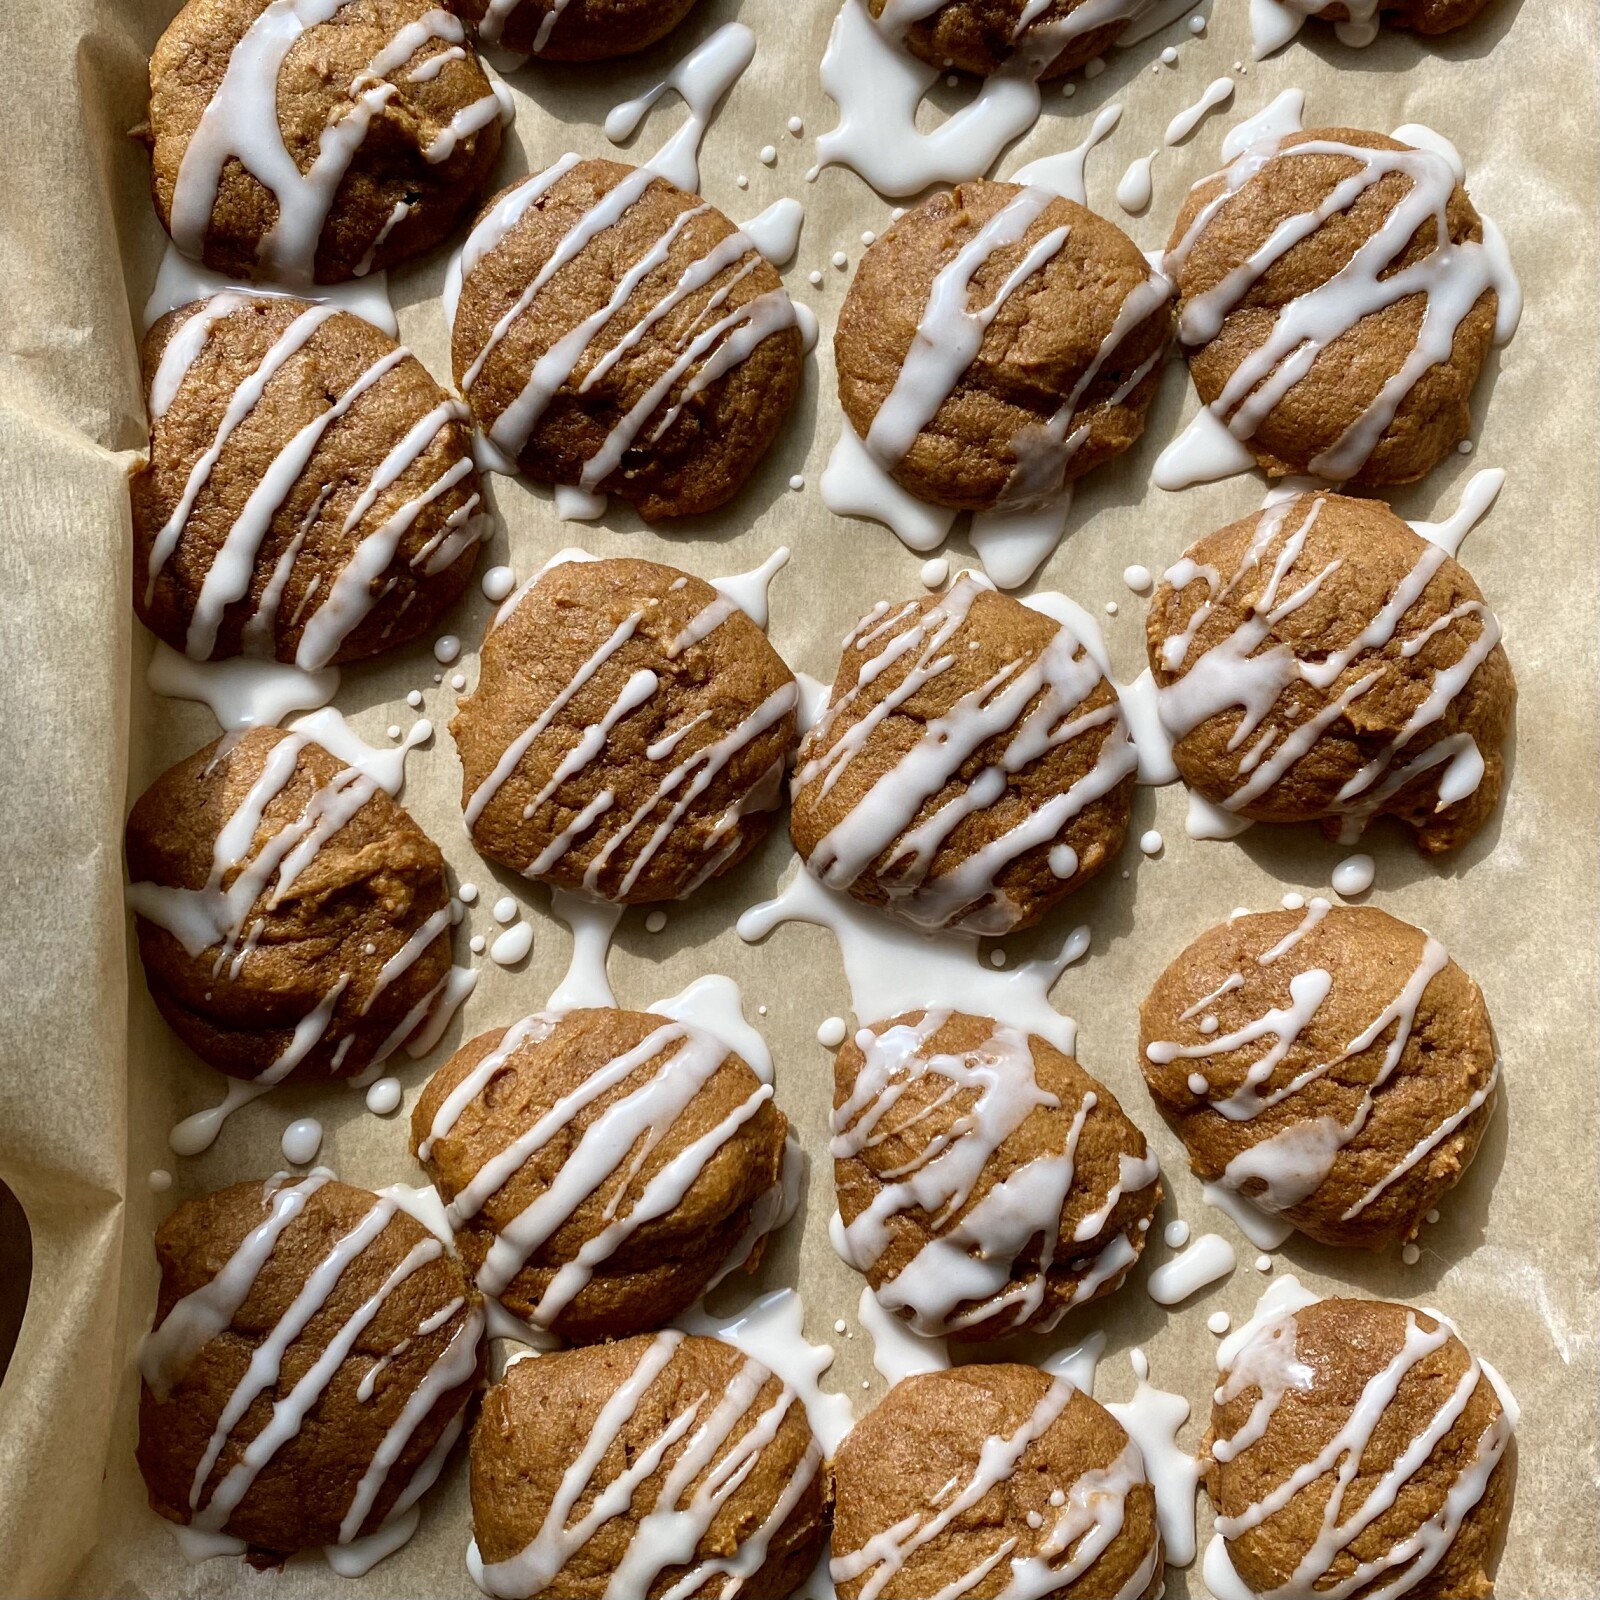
{"x":240,"y":124}
{"x":1238,"y":672}
{"x":1451,"y":277}
{"x":170,"y":1350}
{"x":1273,"y":23}
{"x":715,"y":1440}
{"x":1035,"y":706}
{"x":1287,"y":1168}
{"x":1262,"y":1356}
{"x":968,"y":1272}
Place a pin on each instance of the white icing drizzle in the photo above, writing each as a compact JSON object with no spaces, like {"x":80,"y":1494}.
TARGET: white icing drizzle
{"x":968,"y":1273}
{"x":879,"y":86}
{"x":670,"y":1533}
{"x":240,"y":123}
{"x":170,"y":1349}
{"x":1218,"y":93}
{"x":1245,"y":671}
{"x":1152,"y":1419}
{"x":1089,"y":1517}
{"x":898,"y":1350}
{"x":1292,"y":1164}
{"x":1035,"y":706}
{"x":1451,"y":277}
{"x":1262,"y":1355}
{"x":1209,"y":1259}
{"x":1063,"y":173}
{"x":243,"y":691}
{"x":1273,"y":23}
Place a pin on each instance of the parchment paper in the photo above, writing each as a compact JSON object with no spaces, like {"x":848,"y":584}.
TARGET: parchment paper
{"x":92,"y":1080}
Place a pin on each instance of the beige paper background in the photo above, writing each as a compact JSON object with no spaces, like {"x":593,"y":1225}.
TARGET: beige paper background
{"x":90,"y":1080}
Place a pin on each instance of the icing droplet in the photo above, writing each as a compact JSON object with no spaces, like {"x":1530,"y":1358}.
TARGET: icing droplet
{"x":935,"y":573}
{"x":769,"y":155}
{"x":505,"y":909}
{"x":797,"y":482}
{"x":302,"y":1140}
{"x":831,"y":1033}
{"x":384,"y":1097}
{"x":1263,"y":1263}
{"x":467,"y":893}
{"x":513,"y":945}
{"x":1411,"y":1255}
{"x":1353,"y":876}
{"x":1176,"y":1234}
{"x":1219,"y":1322}
{"x":446,"y":649}
{"x":1137,"y":579}
{"x":796,"y":126}
{"x":498,"y":582}
{"x":477,"y":944}
{"x":160,"y":1181}
{"x":1150,"y":842}
{"x":655,"y":921}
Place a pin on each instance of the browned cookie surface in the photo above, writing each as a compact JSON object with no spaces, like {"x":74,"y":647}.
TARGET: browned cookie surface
{"x":1072,"y":353}
{"x":387,"y":94}
{"x":706,"y":1459}
{"x":1320,"y":661}
{"x":986,"y":1182}
{"x":1334,"y":1065}
{"x":972,"y":767}
{"x":1413,"y":1438}
{"x":601,"y":1165}
{"x":621,"y":335}
{"x":628,"y":732}
{"x":989,"y":36}
{"x":310,"y":492}
{"x":953,"y":1476}
{"x":328,"y":1326}
{"x":323,"y":937}
{"x":574,"y":30}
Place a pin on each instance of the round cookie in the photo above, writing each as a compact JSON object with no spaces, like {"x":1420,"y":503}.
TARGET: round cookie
{"x":613,"y":333}
{"x":532,"y":1135}
{"x":1342,"y":1384}
{"x":294,"y":922}
{"x":1298,"y":337}
{"x":1019,"y":37}
{"x":574,"y":30}
{"x":985,"y":1480}
{"x":986,"y":1183}
{"x":1320,"y":661}
{"x":313,"y":1354}
{"x":310,"y":493}
{"x":628,"y":734}
{"x":316,"y":143}
{"x":696,"y":1467}
{"x":1426,"y":17}
{"x":997,"y":343}
{"x":972,"y":767}
{"x":1334,"y":1066}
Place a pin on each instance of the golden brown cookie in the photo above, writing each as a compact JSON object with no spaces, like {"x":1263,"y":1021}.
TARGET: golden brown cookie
{"x":997,"y":343}
{"x":986,"y":1480}
{"x":1320,"y":661}
{"x":972,"y":767}
{"x":628,"y":733}
{"x":1409,"y":1431}
{"x":313,"y":1355}
{"x":310,"y":492}
{"x":694,"y":1463}
{"x":574,"y":30}
{"x":293,"y":921}
{"x":1325,"y":320}
{"x":601,"y":1168}
{"x":616,"y":334}
{"x":318,"y":142}
{"x":1017,"y":36}
{"x":1334,"y":1066}
{"x":1420,"y":16}
{"x":986,"y":1182}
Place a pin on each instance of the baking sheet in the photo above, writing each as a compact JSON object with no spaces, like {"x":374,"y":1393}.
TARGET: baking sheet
{"x":92,"y":1080}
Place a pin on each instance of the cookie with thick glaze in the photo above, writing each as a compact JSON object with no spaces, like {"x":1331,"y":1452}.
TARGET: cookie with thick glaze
{"x":1042,"y":42}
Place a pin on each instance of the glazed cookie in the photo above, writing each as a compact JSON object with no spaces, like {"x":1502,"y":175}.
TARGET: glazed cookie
{"x":628,"y":734}
{"x":697,"y":1466}
{"x":1320,"y":661}
{"x":991,"y":1480}
{"x":1356,"y":1447}
{"x":293,"y":921}
{"x":574,"y":30}
{"x":602,"y":1168}
{"x":1020,"y":37}
{"x":1357,"y":20}
{"x":1290,"y":266}
{"x":313,"y":1355}
{"x":615,"y":334}
{"x":1334,"y":1066}
{"x":997,"y":343}
{"x":986,"y":1182}
{"x":316,"y":143}
{"x":972,"y":767}
{"x":310,"y":492}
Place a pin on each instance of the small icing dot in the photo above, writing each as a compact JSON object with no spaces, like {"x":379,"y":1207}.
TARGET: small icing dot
{"x":160,"y":1181}
{"x":1150,"y":842}
{"x":1068,"y":90}
{"x":477,"y":944}
{"x":997,"y":958}
{"x":951,"y":80}
{"x":1176,"y":1234}
{"x":1263,"y":1263}
{"x":742,"y":182}
{"x":505,"y":909}
{"x":1465,"y":447}
{"x":383,"y":1098}
{"x":838,"y":1326}
{"x":831,"y":1032}
{"x":1432,"y":1216}
{"x":1144,"y":1224}
{"x":840,"y":259}
{"x":394,"y":730}
{"x":1111,"y":608}
{"x":1197,"y":24}
{"x":1219,"y":1322}
{"x":445,"y":650}
{"x":768,"y":155}
{"x":1353,"y":876}
{"x":458,"y":681}
{"x":1035,"y":1520}
{"x":1208,"y":1024}
{"x":1169,"y":55}
{"x":369,"y":949}
{"x":1199,"y":1083}
{"x":1294,"y":902}
{"x":414,"y":699}
{"x":935,"y":572}
{"x":897,"y":213}
{"x":797,"y":483}
{"x":512,"y":945}
{"x":498,"y":582}
{"x":302,"y":1140}
{"x":1411,"y":1255}
{"x":1137,"y":578}
{"x":761,"y":1011}
{"x":796,"y":126}
{"x":869,"y":237}
{"x":467,"y":893}
{"x":1093,"y":68}
{"x":655,"y":922}
{"x":438,"y":677}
